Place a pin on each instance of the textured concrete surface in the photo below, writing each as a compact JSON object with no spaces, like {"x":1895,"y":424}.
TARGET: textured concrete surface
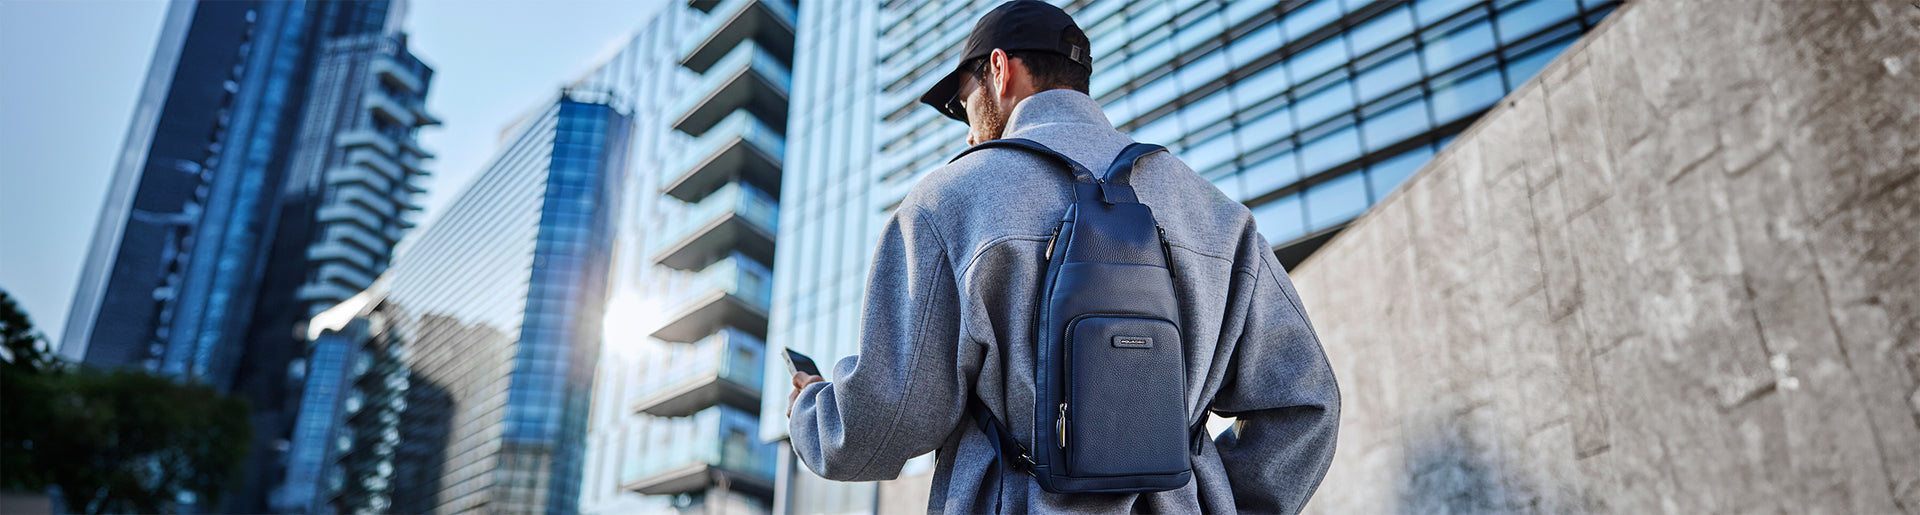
{"x":1679,"y":272}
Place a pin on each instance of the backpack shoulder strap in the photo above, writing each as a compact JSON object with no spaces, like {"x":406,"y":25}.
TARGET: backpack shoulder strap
{"x":1116,"y":187}
{"x":1080,"y":173}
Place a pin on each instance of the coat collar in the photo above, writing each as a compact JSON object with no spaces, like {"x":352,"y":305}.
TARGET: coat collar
{"x":1055,"y":106}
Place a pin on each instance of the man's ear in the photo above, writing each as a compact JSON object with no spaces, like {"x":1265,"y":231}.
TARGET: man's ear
{"x":1002,"y":76}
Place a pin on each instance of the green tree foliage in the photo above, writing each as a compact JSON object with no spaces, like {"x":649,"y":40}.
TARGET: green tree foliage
{"x":112,"y":441}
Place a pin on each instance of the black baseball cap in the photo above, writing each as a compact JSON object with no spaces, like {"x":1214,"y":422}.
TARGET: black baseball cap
{"x":1016,"y":25}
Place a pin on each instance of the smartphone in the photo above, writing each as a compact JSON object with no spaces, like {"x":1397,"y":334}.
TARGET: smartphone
{"x":797,"y":362}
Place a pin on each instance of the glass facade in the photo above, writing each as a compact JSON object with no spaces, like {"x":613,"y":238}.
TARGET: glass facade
{"x":496,"y":306}
{"x":1307,"y":111}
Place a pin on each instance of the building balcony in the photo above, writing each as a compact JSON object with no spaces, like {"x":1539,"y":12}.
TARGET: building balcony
{"x":369,"y":158}
{"x":740,"y":146}
{"x":748,"y":77}
{"x":367,"y":199}
{"x":723,"y":368}
{"x":339,"y":251}
{"x":735,"y":292}
{"x":390,"y":109}
{"x":360,"y":176}
{"x":340,"y":213}
{"x":404,"y":112}
{"x":366,"y":138}
{"x":689,"y":454}
{"x":325,"y":291}
{"x":768,"y":23}
{"x":372,"y":241}
{"x":736,"y":218}
{"x":344,"y":275}
{"x":392,"y":73}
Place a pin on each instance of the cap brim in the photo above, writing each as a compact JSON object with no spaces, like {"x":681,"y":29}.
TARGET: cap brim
{"x":943,"y":96}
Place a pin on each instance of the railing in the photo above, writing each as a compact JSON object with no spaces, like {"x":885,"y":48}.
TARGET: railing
{"x":721,"y":436}
{"x":756,"y":206}
{"x":730,"y":355}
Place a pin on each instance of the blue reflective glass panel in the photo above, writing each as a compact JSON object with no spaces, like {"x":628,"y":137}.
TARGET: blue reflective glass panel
{"x":1434,"y":10}
{"x":1385,"y":28}
{"x":1163,"y":130}
{"x":1206,"y":155}
{"x":1388,"y":77}
{"x":1306,"y":19}
{"x":1208,"y":110}
{"x":1395,"y":125}
{"x":1458,"y":46}
{"x":1314,"y":61}
{"x":1467,"y":96}
{"x":1262,"y":86}
{"x":1520,"y":21}
{"x":1336,"y":201}
{"x":1330,"y":150}
{"x":1266,"y":129}
{"x":1324,"y":104}
{"x":1229,"y":185}
{"x":1386,"y":175}
{"x":1271,"y":174}
{"x":1280,"y":220}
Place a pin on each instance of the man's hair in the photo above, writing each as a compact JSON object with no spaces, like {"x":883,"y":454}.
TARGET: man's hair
{"x":1050,"y":70}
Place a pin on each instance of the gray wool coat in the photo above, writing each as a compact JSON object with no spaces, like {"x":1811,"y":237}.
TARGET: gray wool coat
{"x":951,"y":296}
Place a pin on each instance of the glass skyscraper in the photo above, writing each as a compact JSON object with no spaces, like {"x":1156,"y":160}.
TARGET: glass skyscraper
{"x":495,"y":309}
{"x":676,"y":406}
{"x":1307,"y":111}
{"x":245,"y":153}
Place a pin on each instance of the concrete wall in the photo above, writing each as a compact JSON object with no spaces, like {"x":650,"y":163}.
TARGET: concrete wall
{"x":1679,"y":272}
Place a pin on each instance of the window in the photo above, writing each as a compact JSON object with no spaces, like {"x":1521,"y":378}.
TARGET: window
{"x":1445,"y":52}
{"x":1386,"y":175}
{"x":1336,"y":201}
{"x":1271,"y":174}
{"x":1395,"y":125}
{"x":1520,"y":21}
{"x":1305,"y":20}
{"x":1462,"y":97}
{"x":1204,"y":156}
{"x":1333,"y":100}
{"x":1314,"y":61}
{"x":1385,"y":28}
{"x":1280,"y":220}
{"x":1266,"y":129}
{"x":1330,"y":150}
{"x":1388,"y":77}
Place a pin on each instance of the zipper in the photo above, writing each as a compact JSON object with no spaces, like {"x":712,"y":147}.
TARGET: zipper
{"x":1166,"y":249}
{"x":1061,"y":425}
{"x":1055,"y":238}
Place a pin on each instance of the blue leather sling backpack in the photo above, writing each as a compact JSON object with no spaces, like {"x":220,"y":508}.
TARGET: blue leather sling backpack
{"x":1110,"y":413}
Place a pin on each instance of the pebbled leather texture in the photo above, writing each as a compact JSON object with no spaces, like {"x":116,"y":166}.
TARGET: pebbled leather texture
{"x":1125,"y":415}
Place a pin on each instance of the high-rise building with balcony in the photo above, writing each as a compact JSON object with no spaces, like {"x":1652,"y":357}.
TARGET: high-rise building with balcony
{"x":676,"y":405}
{"x":244,"y":154}
{"x":1307,"y":111}
{"x":460,"y":381}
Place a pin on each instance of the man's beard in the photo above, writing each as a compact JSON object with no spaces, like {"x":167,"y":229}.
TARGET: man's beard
{"x":993,"y":123}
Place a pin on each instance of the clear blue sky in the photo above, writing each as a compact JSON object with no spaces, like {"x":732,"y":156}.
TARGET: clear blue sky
{"x":70,"y":69}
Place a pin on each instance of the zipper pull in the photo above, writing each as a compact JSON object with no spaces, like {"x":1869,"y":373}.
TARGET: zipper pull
{"x":1061,"y":425}
{"x":1050,"y":242}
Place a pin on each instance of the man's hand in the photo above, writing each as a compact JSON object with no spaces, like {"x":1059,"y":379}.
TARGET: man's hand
{"x":800,"y":382}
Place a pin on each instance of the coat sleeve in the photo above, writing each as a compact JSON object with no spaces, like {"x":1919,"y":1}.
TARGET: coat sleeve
{"x":1281,"y":389}
{"x":904,"y":392}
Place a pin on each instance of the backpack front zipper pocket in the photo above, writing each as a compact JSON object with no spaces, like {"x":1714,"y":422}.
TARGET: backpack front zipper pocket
{"x":1125,"y":396}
